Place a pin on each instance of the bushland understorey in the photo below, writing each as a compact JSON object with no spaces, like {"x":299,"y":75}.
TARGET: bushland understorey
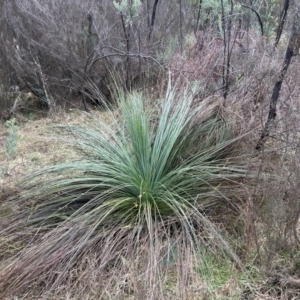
{"x":149,"y":149}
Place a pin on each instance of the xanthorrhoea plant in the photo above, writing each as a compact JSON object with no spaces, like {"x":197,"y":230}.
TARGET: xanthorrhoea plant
{"x":135,"y":201}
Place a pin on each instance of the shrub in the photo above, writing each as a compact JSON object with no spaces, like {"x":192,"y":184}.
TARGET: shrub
{"x":12,"y":138}
{"x":56,"y":50}
{"x":138,"y":201}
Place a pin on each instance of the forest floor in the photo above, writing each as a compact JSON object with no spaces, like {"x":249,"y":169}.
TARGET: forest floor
{"x":36,"y":144}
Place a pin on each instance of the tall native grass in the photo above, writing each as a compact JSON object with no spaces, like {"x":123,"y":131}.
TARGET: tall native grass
{"x":137,"y":203}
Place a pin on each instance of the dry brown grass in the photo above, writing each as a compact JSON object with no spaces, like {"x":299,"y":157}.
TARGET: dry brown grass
{"x":39,"y":144}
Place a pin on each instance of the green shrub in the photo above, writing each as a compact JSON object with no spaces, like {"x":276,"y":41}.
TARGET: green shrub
{"x":136,"y":201}
{"x":12,"y":138}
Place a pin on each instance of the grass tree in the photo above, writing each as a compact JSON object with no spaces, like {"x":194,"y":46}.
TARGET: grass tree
{"x":138,"y":201}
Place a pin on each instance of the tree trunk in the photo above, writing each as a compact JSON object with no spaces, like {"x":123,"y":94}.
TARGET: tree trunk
{"x":282,"y":21}
{"x":292,"y":50}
